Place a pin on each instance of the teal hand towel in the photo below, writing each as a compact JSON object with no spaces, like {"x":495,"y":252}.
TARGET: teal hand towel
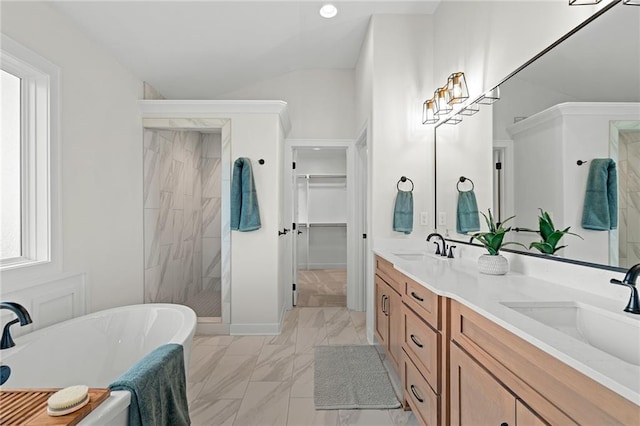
{"x":158,"y":388}
{"x":467,"y":217}
{"x":403,"y":212}
{"x":600,"y":211}
{"x":245,"y":214}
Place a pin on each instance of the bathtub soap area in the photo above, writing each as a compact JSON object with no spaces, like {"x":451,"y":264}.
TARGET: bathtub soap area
{"x":28,"y":407}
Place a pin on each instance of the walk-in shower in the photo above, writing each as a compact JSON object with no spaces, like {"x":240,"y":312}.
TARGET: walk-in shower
{"x":182,"y":219}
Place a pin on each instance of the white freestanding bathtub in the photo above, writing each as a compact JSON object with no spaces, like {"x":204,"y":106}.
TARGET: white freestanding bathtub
{"x":96,"y":349}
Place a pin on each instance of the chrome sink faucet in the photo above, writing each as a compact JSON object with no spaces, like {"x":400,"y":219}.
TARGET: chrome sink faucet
{"x":23,"y":317}
{"x":441,"y":251}
{"x":630,"y":281}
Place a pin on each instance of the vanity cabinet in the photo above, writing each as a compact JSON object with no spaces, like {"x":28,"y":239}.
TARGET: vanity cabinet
{"x":388,"y":310}
{"x":484,"y":354}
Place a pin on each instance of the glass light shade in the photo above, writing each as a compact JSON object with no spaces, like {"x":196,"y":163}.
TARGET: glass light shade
{"x":429,"y":112}
{"x":454,"y":120}
{"x":490,"y":97}
{"x":470,"y":109}
{"x":457,"y":88}
{"x":441,"y":97}
{"x":631,"y":2}
{"x":583,"y":2}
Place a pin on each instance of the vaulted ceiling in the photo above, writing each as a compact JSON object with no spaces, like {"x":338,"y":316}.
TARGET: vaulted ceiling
{"x":202,"y":49}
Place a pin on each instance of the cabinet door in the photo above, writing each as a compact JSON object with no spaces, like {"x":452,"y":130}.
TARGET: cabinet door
{"x":382,"y":320}
{"x":396,"y":335}
{"x":476,"y":397}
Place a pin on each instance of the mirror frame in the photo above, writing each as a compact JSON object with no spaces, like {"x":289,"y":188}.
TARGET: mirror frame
{"x":471,"y":101}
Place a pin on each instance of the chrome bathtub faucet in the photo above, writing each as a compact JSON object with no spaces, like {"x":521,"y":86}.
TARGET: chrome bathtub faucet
{"x":23,"y":317}
{"x":630,"y":281}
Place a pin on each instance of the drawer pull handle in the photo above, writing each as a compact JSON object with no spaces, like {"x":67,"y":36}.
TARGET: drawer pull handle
{"x":504,"y":424}
{"x":415,"y":296}
{"x":416,"y":342}
{"x":413,"y":391}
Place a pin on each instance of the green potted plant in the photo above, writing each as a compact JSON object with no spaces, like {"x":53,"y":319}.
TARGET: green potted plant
{"x":549,"y":234}
{"x":493,"y":240}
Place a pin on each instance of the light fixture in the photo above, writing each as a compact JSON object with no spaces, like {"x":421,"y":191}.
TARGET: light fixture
{"x":454,"y":120}
{"x":583,"y":2}
{"x":470,"y":109}
{"x":328,"y":11}
{"x":631,"y":2}
{"x":430,"y":113}
{"x":490,"y":97}
{"x":457,"y":88}
{"x":441,"y":97}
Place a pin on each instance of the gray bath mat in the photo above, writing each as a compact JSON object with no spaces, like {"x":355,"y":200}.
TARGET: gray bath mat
{"x":351,"y":377}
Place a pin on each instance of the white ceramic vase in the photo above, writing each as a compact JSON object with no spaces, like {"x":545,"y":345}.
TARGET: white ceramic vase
{"x":493,"y":264}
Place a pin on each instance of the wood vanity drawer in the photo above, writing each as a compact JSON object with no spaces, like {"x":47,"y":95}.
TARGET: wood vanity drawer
{"x":422,"y":344}
{"x":421,"y":398}
{"x":389,"y":274}
{"x":423,"y":301}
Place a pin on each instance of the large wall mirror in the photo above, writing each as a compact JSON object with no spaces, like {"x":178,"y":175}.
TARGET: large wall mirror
{"x":577,"y":102}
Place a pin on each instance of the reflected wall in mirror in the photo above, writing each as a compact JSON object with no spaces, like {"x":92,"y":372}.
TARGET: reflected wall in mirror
{"x":579,"y":101}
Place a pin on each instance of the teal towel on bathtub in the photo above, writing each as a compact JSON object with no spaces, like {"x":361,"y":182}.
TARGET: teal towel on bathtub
{"x":245,"y":214}
{"x":158,"y":388}
{"x":600,"y":210}
{"x":403,"y":212}
{"x":467,"y":217}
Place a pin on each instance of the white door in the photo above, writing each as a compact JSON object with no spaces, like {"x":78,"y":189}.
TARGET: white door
{"x":295,"y":228}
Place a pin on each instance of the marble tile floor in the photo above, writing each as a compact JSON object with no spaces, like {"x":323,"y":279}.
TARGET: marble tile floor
{"x":268,"y":380}
{"x":322,"y":287}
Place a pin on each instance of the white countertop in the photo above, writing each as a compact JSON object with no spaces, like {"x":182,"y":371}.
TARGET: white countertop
{"x":460,"y":280}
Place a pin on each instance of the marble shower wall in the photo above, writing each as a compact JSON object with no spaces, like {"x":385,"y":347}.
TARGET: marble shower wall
{"x":211,"y":209}
{"x":629,"y":198}
{"x":176,"y":203}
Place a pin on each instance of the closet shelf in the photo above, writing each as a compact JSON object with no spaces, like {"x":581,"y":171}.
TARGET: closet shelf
{"x":320,"y":224}
{"x":330,"y":175}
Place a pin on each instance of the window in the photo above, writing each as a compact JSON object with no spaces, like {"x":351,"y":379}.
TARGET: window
{"x":29,"y":218}
{"x":10,"y":180}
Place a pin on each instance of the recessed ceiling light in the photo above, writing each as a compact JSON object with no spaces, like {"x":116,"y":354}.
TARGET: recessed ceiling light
{"x":328,"y":11}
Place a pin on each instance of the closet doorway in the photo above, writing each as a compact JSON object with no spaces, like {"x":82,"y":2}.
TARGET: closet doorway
{"x":320,"y":214}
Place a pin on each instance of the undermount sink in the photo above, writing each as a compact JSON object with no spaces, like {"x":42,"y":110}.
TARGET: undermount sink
{"x":415,"y":255}
{"x":614,"y":334}
{"x":411,"y":256}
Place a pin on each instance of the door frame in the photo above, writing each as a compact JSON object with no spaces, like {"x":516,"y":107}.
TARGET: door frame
{"x":355,"y":283}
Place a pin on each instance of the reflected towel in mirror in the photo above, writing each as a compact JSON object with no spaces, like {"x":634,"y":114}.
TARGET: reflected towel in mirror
{"x":600,"y":211}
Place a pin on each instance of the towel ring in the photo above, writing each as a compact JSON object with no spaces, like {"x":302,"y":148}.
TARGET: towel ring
{"x":404,"y":179}
{"x":464,"y":179}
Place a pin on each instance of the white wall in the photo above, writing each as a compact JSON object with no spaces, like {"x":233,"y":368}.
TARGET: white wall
{"x":320,"y":102}
{"x":101,"y":154}
{"x":400,"y":144}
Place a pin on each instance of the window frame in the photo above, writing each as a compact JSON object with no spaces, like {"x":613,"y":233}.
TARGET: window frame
{"x":40,"y":180}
